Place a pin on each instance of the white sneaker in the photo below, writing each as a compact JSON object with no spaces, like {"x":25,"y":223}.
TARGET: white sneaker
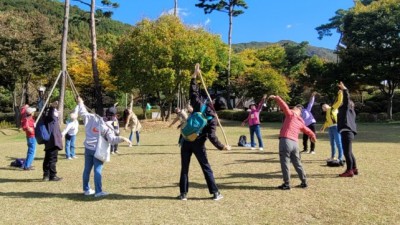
{"x":89,"y":192}
{"x":261,"y":149}
{"x":252,"y":148}
{"x":130,"y":145}
{"x":100,"y":194}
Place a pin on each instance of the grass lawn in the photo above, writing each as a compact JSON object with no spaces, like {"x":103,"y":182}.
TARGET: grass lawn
{"x":143,"y":182}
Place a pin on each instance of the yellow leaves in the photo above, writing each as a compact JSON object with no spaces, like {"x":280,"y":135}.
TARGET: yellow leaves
{"x":80,"y":68}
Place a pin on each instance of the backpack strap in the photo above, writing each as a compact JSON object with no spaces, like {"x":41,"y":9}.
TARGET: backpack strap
{"x":203,"y":110}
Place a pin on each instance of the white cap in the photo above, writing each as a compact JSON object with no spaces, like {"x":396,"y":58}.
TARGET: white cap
{"x":30,"y":110}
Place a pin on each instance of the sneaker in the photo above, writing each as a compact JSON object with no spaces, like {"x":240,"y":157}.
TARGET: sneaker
{"x":347,"y":173}
{"x":55,"y":178}
{"x":46,"y":178}
{"x":355,"y":171}
{"x":138,"y":144}
{"x":252,"y":148}
{"x":28,"y":168}
{"x":69,"y":158}
{"x":304,"y":151}
{"x":74,"y":157}
{"x":89,"y":192}
{"x":182,"y":196}
{"x":130,"y":145}
{"x":330,"y":159}
{"x":312,"y":152}
{"x":112,"y":153}
{"x":101,"y":194}
{"x":261,"y":149}
{"x":303,"y":185}
{"x":116,"y":152}
{"x":284,"y":187}
{"x":217,"y":196}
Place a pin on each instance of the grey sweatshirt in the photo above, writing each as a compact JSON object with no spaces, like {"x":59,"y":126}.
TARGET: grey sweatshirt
{"x":94,"y":124}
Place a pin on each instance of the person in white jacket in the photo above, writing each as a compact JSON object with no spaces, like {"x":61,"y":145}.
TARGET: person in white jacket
{"x":70,"y":133}
{"x":94,"y":127}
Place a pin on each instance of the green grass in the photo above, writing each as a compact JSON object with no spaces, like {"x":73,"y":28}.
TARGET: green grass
{"x":143,"y":182}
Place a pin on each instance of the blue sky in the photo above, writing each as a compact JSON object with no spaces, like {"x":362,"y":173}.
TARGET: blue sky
{"x":264,"y":20}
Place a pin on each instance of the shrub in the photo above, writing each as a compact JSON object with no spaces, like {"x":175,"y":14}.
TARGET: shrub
{"x":7,"y":117}
{"x":396,"y":116}
{"x":382,"y":117}
{"x":242,"y":115}
{"x":5,"y":124}
{"x":366,"y":117}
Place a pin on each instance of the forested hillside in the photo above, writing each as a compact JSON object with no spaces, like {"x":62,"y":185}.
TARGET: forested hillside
{"x":324,"y":53}
{"x":108,"y":30}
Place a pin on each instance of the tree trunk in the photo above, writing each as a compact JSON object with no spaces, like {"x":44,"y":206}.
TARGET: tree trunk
{"x":97,"y":85}
{"x":176,"y":8}
{"x":228,"y":83}
{"x":390,"y":107}
{"x":17,"y":110}
{"x":63,"y":62}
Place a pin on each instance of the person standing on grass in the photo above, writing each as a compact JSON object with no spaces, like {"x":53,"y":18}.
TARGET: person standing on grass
{"x":310,"y":121}
{"x":70,"y":132}
{"x":28,"y":125}
{"x":331,"y":124}
{"x":348,"y":129}
{"x":197,"y":147}
{"x":94,"y":124}
{"x":53,"y":145}
{"x":254,"y":123}
{"x":133,"y":123}
{"x":112,"y":120}
{"x":288,"y":143}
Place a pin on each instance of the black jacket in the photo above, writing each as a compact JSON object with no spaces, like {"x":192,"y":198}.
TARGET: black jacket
{"x":346,"y":115}
{"x":51,"y":122}
{"x":197,"y":100}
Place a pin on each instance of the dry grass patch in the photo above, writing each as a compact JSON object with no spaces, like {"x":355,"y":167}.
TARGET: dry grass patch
{"x":143,"y":182}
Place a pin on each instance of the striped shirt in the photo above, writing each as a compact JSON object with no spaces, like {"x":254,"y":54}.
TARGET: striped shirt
{"x":293,"y":123}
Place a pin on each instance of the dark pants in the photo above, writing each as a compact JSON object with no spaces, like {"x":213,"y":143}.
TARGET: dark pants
{"x":49,"y":163}
{"x":305,"y":138}
{"x":347,"y":141}
{"x":198,"y":148}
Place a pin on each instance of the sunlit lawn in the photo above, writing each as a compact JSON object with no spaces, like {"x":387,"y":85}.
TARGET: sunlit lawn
{"x":143,"y":182}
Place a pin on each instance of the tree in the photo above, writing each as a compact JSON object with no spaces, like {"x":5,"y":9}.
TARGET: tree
{"x":157,"y":57}
{"x":64,"y":44}
{"x":26,"y":55}
{"x":370,"y":45}
{"x":92,"y":25}
{"x":227,"y":6}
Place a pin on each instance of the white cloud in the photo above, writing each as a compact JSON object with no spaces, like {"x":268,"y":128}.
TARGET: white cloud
{"x":180,"y":11}
{"x":208,"y":21}
{"x":289,"y":26}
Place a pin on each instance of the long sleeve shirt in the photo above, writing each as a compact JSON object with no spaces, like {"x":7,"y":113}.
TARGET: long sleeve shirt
{"x":306,"y":112}
{"x":347,"y":115}
{"x":293,"y":124}
{"x":181,"y":116}
{"x":196,"y":100}
{"x":71,"y":128}
{"x":331,"y":113}
{"x":28,"y":125}
{"x":94,"y":127}
{"x":254,"y":114}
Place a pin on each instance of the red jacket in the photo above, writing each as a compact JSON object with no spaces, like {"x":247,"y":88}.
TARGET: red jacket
{"x":293,"y":123}
{"x":28,"y":122}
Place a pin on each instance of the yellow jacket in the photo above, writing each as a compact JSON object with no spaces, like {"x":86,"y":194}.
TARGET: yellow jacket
{"x":332,"y":112}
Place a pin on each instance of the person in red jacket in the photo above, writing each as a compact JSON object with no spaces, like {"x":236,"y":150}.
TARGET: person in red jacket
{"x":288,"y":142}
{"x":28,"y":125}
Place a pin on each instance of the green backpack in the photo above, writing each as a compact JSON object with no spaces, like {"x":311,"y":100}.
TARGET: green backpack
{"x":195,"y":123}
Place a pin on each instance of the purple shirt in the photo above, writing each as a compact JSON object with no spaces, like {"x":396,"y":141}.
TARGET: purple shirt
{"x":306,"y":113}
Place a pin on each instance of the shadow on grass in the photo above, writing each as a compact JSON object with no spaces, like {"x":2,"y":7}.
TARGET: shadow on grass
{"x":7,"y":180}
{"x":244,"y":161}
{"x":80,"y":196}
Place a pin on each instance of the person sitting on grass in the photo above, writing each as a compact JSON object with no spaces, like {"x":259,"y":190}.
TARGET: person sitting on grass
{"x":288,"y":142}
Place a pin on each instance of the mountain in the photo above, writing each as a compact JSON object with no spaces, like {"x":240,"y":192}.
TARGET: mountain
{"x":324,"y":53}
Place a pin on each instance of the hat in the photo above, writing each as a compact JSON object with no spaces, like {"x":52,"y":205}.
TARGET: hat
{"x":112,"y":111}
{"x":30,"y":110}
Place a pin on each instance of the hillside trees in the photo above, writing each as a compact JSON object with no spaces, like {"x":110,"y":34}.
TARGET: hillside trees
{"x":157,"y":57}
{"x":25,"y":54}
{"x":371,"y":45}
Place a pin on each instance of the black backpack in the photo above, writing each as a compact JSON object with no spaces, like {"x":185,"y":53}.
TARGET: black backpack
{"x":242,"y":141}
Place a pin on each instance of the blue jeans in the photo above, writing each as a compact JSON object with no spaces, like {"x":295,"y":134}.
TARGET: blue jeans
{"x":256,"y":129}
{"x":137,"y":136}
{"x":30,"y":156}
{"x":334,"y":137}
{"x":70,"y":145}
{"x":90,"y":162}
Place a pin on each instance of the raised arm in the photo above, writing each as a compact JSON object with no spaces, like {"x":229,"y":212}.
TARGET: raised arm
{"x":346,"y":96}
{"x":282,"y":104}
{"x":339,"y":100}
{"x":194,"y":92}
{"x":311,"y":102}
{"x":261,"y":103}
{"x":81,"y":110}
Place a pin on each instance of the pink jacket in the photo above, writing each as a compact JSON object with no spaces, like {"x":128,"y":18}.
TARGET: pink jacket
{"x":254,"y":115}
{"x":293,"y":123}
